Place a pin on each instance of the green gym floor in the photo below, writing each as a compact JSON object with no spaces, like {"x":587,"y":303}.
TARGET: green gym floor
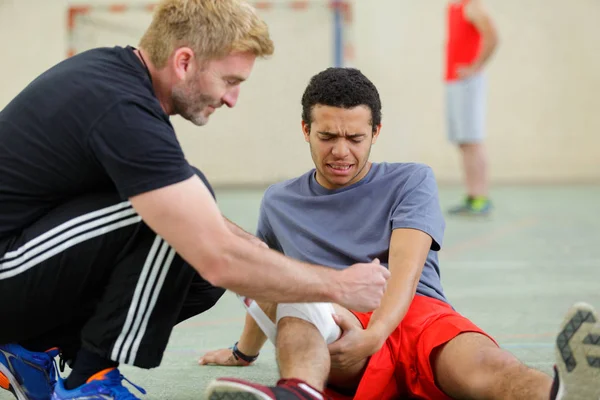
{"x":514,"y":274}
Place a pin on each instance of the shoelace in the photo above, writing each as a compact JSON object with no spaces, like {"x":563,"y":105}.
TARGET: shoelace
{"x":114,"y":386}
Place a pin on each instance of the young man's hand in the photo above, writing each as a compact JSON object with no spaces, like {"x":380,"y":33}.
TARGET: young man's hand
{"x":355,"y":344}
{"x":222,"y":357}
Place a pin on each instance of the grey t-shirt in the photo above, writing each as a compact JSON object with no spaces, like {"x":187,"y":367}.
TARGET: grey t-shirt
{"x":341,"y":227}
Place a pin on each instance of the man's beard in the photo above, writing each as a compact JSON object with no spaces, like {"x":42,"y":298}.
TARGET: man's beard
{"x":190,"y":105}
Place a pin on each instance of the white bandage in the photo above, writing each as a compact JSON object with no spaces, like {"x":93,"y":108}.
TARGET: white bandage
{"x":262,"y":320}
{"x":318,"y":314}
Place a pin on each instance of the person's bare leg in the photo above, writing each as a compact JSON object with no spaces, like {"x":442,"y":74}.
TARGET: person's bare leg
{"x":475,"y":164}
{"x":347,"y":379}
{"x":471,"y":366}
{"x":302,"y":354}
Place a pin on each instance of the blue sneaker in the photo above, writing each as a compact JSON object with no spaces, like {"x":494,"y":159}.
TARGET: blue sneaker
{"x":478,"y":206}
{"x":26,"y":374}
{"x":104,"y":385}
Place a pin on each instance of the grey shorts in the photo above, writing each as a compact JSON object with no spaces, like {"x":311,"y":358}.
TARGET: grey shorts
{"x":465,"y":109}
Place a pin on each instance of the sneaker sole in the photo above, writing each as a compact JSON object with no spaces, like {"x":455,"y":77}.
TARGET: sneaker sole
{"x":13,"y":385}
{"x":224,"y":390}
{"x":578,"y":354}
{"x":473,"y":214}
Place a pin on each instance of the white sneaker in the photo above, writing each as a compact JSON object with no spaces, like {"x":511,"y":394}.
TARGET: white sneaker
{"x":578,"y":355}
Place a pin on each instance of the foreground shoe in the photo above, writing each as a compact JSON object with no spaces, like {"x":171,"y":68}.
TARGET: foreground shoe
{"x":578,"y":355}
{"x":480,"y":206}
{"x":105,"y":385}
{"x":237,"y":389}
{"x":28,"y":375}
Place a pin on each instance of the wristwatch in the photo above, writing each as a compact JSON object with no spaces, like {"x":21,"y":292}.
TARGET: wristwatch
{"x":241,"y":356}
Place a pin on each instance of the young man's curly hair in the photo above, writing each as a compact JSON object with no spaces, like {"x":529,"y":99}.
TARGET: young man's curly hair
{"x":343,"y":88}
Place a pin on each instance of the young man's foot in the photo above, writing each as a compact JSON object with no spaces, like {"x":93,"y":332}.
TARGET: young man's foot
{"x":476,"y":206}
{"x":237,"y":389}
{"x":28,"y":375}
{"x":105,"y":385}
{"x":577,"y":370}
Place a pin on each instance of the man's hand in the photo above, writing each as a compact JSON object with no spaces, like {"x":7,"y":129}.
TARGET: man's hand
{"x":476,"y":13}
{"x":362,"y":286}
{"x":466,"y":71}
{"x":222,"y":357}
{"x":355,"y":344}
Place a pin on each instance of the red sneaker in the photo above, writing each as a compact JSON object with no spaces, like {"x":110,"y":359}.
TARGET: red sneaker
{"x":286,"y":389}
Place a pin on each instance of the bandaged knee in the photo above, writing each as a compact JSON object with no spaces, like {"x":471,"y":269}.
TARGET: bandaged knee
{"x":318,"y":314}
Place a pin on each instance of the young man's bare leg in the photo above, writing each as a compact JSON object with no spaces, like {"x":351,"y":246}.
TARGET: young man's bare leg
{"x":472,"y":366}
{"x":303,"y":354}
{"x":347,"y":379}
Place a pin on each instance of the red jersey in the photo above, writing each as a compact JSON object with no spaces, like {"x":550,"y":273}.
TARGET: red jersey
{"x":463,"y":40}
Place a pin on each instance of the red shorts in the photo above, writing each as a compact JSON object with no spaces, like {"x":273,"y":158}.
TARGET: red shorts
{"x":401,"y":368}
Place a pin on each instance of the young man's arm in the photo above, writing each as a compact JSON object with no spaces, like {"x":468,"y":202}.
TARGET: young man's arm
{"x":187,"y":217}
{"x":408,"y":252}
{"x":417,"y":223}
{"x":478,"y":16}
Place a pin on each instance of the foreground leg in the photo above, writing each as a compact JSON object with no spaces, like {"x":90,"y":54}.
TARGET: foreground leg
{"x":301,"y":352}
{"x":303,"y":331}
{"x":472,"y":366}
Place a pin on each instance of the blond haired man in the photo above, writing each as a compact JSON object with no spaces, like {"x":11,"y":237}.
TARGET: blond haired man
{"x":108,"y":237}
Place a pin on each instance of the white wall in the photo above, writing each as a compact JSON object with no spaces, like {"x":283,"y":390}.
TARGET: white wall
{"x":32,"y":38}
{"x":543,"y":119}
{"x":544,"y":83}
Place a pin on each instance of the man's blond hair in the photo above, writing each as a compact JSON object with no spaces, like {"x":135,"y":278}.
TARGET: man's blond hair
{"x":211,"y":28}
